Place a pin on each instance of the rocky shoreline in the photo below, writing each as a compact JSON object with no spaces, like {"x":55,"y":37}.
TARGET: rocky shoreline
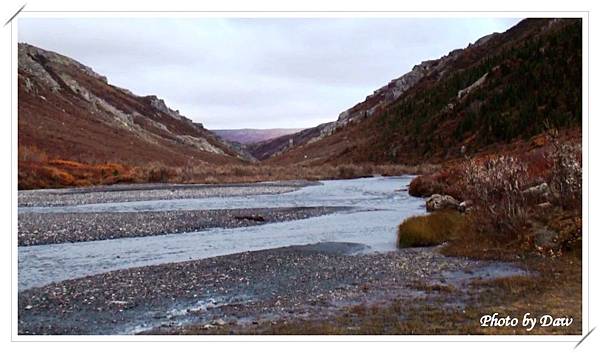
{"x":241,"y":290}
{"x":54,"y":228}
{"x":148,"y":192}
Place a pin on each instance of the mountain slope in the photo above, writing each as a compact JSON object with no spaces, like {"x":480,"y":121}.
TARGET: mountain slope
{"x":502,"y":88}
{"x":69,"y":112}
{"x":372,"y":105}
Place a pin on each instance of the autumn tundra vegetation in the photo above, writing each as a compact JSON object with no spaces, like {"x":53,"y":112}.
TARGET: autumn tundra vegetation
{"x":529,"y":199}
{"x":37,"y":170}
{"x":492,"y":132}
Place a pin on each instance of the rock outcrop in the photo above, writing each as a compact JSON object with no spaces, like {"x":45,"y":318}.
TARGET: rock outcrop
{"x":464,"y":92}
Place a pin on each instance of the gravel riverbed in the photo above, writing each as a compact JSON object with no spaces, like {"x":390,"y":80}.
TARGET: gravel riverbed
{"x":241,"y":289}
{"x":54,"y":228}
{"x":147,"y":192}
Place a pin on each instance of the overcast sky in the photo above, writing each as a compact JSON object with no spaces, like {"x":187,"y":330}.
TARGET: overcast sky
{"x":255,"y":73}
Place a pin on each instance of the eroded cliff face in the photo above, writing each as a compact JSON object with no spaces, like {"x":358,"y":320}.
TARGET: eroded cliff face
{"x":71,"y":112}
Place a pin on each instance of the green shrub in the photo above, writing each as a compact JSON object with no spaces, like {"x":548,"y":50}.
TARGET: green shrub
{"x":431,"y":229}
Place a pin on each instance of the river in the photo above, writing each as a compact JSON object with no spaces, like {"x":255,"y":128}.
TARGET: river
{"x":377,"y":206}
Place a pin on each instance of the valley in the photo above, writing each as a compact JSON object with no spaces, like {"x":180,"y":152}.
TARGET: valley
{"x":452,"y":191}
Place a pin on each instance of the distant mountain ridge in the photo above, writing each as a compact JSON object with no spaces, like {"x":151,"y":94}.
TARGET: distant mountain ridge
{"x":250,"y":136}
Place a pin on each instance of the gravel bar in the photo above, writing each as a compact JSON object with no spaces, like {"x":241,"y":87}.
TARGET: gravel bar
{"x":238,"y":290}
{"x":54,"y":228}
{"x":148,"y":192}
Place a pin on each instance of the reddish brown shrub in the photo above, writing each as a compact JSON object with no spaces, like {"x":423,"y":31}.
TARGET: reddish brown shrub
{"x":426,"y":185}
{"x":565,"y":179}
{"x":495,"y":187}
{"x":445,"y":181}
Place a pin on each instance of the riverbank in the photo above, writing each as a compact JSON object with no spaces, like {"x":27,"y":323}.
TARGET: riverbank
{"x":246,"y":290}
{"x":552,"y":288}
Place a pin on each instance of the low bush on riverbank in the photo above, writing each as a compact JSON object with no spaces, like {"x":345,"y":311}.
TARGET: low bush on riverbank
{"x":443,"y":181}
{"x":431,"y":229}
{"x":513,"y":202}
{"x":539,"y":155}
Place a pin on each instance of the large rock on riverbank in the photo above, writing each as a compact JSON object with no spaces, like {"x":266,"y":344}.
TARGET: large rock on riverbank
{"x":437,"y":202}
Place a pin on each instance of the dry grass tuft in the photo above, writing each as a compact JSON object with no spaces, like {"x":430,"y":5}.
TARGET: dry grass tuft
{"x":432,"y":229}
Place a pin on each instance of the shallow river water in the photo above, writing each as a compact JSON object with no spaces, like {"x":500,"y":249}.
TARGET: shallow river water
{"x":378,"y":205}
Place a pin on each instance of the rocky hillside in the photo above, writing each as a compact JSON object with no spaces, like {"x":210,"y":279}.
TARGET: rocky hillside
{"x":69,"y":112}
{"x":504,"y":87}
{"x":372,"y":104}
